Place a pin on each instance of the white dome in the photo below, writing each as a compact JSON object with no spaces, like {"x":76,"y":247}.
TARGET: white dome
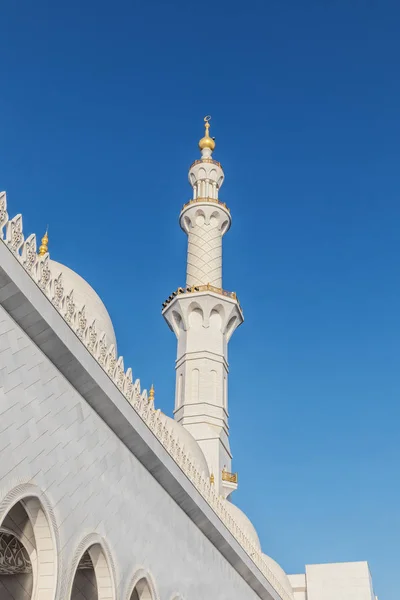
{"x":244,"y":523}
{"x":279,"y":574}
{"x":189,"y":443}
{"x":84,"y":295}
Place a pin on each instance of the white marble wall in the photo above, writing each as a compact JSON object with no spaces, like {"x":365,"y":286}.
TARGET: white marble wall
{"x":347,"y":581}
{"x":334,"y":581}
{"x":54,"y":446}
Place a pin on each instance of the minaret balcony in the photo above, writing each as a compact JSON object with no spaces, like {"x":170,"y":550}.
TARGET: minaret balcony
{"x":206,"y":160}
{"x":201,"y":288}
{"x":202,"y":200}
{"x":229,"y":477}
{"x":229,"y":483}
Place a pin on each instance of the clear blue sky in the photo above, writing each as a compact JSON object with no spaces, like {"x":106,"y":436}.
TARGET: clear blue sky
{"x":101,"y":109}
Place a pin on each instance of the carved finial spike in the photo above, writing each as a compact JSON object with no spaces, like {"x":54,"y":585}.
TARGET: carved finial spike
{"x":44,"y":248}
{"x":212,"y":478}
{"x":207,"y":120}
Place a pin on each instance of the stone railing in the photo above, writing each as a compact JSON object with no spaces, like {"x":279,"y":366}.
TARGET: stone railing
{"x":214,"y":200}
{"x":200,"y":288}
{"x":206,"y":160}
{"x":51,"y":284}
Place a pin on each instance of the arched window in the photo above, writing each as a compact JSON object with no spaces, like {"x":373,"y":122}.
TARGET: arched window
{"x":28,"y":561}
{"x":142,"y":591}
{"x":92,"y":580}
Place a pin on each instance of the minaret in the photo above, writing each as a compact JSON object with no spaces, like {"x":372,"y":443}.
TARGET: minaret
{"x":203,"y":317}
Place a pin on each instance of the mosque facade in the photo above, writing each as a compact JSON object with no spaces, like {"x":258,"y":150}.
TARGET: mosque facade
{"x":102,"y":496}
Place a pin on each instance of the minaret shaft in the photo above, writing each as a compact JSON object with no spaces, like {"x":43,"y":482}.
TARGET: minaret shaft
{"x":203,"y":318}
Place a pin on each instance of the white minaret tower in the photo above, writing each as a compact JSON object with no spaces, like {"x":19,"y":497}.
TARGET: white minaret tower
{"x":203,"y":317}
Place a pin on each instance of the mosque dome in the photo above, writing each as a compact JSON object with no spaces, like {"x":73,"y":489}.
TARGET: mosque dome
{"x":84,"y":295}
{"x":189,"y":443}
{"x":279,"y":574}
{"x":244,"y":523}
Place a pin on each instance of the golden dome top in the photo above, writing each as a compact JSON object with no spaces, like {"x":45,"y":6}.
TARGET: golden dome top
{"x":44,"y":248}
{"x":207,"y":141}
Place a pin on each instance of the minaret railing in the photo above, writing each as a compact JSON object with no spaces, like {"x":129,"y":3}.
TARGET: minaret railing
{"x":200,"y":288}
{"x":199,"y":199}
{"x":230,"y":477}
{"x":206,"y":160}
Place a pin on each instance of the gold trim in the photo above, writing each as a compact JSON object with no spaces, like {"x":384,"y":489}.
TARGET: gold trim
{"x":230,"y":477}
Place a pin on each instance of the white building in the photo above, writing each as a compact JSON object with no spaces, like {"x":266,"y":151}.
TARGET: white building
{"x":102,"y":496}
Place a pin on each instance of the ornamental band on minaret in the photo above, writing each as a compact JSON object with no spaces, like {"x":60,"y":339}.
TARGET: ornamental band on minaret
{"x":203,"y":317}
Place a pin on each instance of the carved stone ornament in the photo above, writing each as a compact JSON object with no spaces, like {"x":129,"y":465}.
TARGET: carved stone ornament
{"x":44,"y":273}
{"x":92,"y":337}
{"x":14,"y":235}
{"x":29,"y":255}
{"x":58,"y":291}
{"x":81,"y":322}
{"x":120,"y":373}
{"x":3,"y":211}
{"x":102,"y":350}
{"x":14,"y":558}
{"x":69,"y":308}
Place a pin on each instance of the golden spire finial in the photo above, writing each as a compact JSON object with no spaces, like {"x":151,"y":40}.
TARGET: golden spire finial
{"x":44,"y":248}
{"x":207,"y":141}
{"x":151,"y":394}
{"x":212,"y":478}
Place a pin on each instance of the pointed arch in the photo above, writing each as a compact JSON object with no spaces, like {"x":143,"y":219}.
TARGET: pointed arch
{"x":231,"y":326}
{"x":195,"y":315}
{"x":93,"y":556}
{"x":217,"y":317}
{"x":27,"y":524}
{"x":142,"y":586}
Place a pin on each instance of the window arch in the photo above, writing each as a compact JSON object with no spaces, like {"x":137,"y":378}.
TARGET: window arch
{"x":142,"y":587}
{"x":28,"y":554}
{"x":92,"y":575}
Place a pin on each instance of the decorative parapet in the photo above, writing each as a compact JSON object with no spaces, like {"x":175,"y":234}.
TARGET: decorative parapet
{"x":213,"y":200}
{"x":84,"y":326}
{"x":206,"y":160}
{"x":200,"y":288}
{"x":230,"y":477}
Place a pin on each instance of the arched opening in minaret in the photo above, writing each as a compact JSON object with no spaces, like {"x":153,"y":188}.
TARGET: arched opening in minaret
{"x":28,"y":562}
{"x":141,"y":591}
{"x":92,"y":580}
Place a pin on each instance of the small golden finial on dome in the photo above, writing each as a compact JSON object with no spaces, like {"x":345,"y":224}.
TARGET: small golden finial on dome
{"x":44,"y":248}
{"x":212,"y":478}
{"x":207,"y":141}
{"x":151,"y":394}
